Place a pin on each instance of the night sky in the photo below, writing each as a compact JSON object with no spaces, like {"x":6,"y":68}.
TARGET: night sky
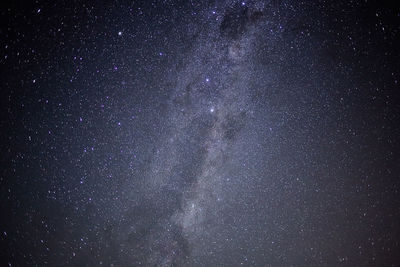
{"x":200,"y":133}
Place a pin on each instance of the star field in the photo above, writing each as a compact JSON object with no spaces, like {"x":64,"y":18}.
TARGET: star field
{"x":200,"y":133}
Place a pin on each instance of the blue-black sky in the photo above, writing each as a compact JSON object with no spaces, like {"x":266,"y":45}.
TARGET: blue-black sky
{"x":200,"y":133}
